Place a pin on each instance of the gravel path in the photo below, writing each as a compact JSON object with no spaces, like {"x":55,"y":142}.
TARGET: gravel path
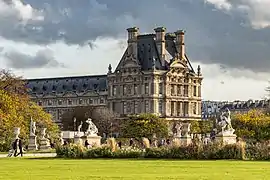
{"x":33,"y":155}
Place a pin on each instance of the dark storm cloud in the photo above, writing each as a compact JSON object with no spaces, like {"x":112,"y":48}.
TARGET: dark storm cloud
{"x":213,"y":36}
{"x":43,"y":58}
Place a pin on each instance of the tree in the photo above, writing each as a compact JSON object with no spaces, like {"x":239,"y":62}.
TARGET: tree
{"x":16,"y":109}
{"x":202,"y":127}
{"x":105,"y":120}
{"x":144,"y":125}
{"x":254,"y":124}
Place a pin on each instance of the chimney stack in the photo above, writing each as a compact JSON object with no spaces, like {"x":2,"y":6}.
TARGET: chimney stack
{"x":160,"y":41}
{"x":132,"y":34}
{"x":132,"y":40}
{"x":180,"y":43}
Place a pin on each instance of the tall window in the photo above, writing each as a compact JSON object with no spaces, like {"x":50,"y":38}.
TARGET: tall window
{"x":186,"y":90}
{"x":147,"y":106}
{"x":178,"y":108}
{"x":124,"y":107}
{"x":146,"y":88}
{"x":135,"y":89}
{"x":172,"y":89}
{"x":114,"y":91}
{"x":194,"y":107}
{"x":194,"y":90}
{"x":124,"y":90}
{"x":185,"y":108}
{"x":172,"y":108}
{"x":136,"y":107}
{"x":160,"y":88}
{"x":178,"y":90}
{"x":160,"y":109}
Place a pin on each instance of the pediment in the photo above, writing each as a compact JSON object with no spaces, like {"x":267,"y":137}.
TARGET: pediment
{"x":178,"y":64}
{"x":70,"y":94}
{"x":49,"y":95}
{"x":90,"y":93}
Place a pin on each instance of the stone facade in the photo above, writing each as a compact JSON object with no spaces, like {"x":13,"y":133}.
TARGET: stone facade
{"x":154,"y":75}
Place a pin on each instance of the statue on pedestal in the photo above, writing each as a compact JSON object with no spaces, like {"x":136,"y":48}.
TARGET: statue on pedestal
{"x":223,"y":124}
{"x":178,"y":129}
{"x":32,"y":128}
{"x":92,"y":129}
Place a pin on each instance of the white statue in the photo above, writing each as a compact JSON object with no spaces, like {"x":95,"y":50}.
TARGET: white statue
{"x":43,"y":133}
{"x":224,"y":124}
{"x":92,"y":129}
{"x":178,"y":128}
{"x":80,"y":127}
{"x":32,"y":128}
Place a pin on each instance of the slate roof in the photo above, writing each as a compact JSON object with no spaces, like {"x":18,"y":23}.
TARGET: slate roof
{"x":148,"y":55}
{"x":77,"y":84}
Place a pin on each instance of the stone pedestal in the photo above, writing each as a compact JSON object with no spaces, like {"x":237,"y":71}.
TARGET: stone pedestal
{"x":93,"y":140}
{"x":226,"y":139}
{"x":78,"y":140}
{"x":185,"y":140}
{"x":44,"y":144}
{"x":32,"y":143}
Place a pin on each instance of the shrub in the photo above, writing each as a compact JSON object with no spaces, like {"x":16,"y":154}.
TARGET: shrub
{"x":194,"y":151}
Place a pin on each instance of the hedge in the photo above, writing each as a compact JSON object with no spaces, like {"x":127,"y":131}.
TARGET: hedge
{"x":192,"y":152}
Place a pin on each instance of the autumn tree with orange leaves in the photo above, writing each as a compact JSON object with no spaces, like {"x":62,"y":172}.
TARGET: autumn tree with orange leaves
{"x":16,"y":110}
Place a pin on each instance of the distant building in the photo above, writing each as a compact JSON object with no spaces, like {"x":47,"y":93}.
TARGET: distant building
{"x":154,"y":75}
{"x":212,"y":109}
{"x":244,"y":106}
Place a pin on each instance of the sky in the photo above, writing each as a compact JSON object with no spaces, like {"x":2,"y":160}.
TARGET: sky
{"x":230,"y":39}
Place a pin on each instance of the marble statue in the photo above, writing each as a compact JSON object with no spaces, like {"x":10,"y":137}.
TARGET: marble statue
{"x":80,"y":127}
{"x":178,"y":128}
{"x":32,"y":128}
{"x":43,"y":133}
{"x":223,"y":124}
{"x":92,"y":129}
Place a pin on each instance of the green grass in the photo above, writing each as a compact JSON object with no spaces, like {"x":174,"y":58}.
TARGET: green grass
{"x":29,"y":168}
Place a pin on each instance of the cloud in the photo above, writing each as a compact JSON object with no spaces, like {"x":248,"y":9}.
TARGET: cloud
{"x":213,"y":37}
{"x":43,"y":58}
{"x":256,"y":11}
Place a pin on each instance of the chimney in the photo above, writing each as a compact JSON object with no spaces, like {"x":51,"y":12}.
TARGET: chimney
{"x":132,"y":41}
{"x":180,"y":43}
{"x":160,"y":41}
{"x":132,"y":34}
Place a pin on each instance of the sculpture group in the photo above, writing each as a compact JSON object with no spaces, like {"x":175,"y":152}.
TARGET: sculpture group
{"x":44,"y":142}
{"x":91,"y":133}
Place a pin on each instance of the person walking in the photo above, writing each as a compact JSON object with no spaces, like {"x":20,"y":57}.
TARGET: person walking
{"x":15,"y":147}
{"x":20,"y":148}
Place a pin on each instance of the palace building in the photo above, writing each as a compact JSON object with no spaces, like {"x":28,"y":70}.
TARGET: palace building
{"x":154,"y":75}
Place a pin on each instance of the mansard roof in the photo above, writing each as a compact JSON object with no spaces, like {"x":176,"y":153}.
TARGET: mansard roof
{"x":76,"y":84}
{"x":148,"y":55}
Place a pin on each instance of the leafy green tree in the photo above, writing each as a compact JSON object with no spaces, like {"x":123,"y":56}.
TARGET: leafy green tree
{"x":144,"y":125}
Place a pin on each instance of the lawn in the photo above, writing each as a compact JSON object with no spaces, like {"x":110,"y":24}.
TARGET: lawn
{"x":29,"y":168}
